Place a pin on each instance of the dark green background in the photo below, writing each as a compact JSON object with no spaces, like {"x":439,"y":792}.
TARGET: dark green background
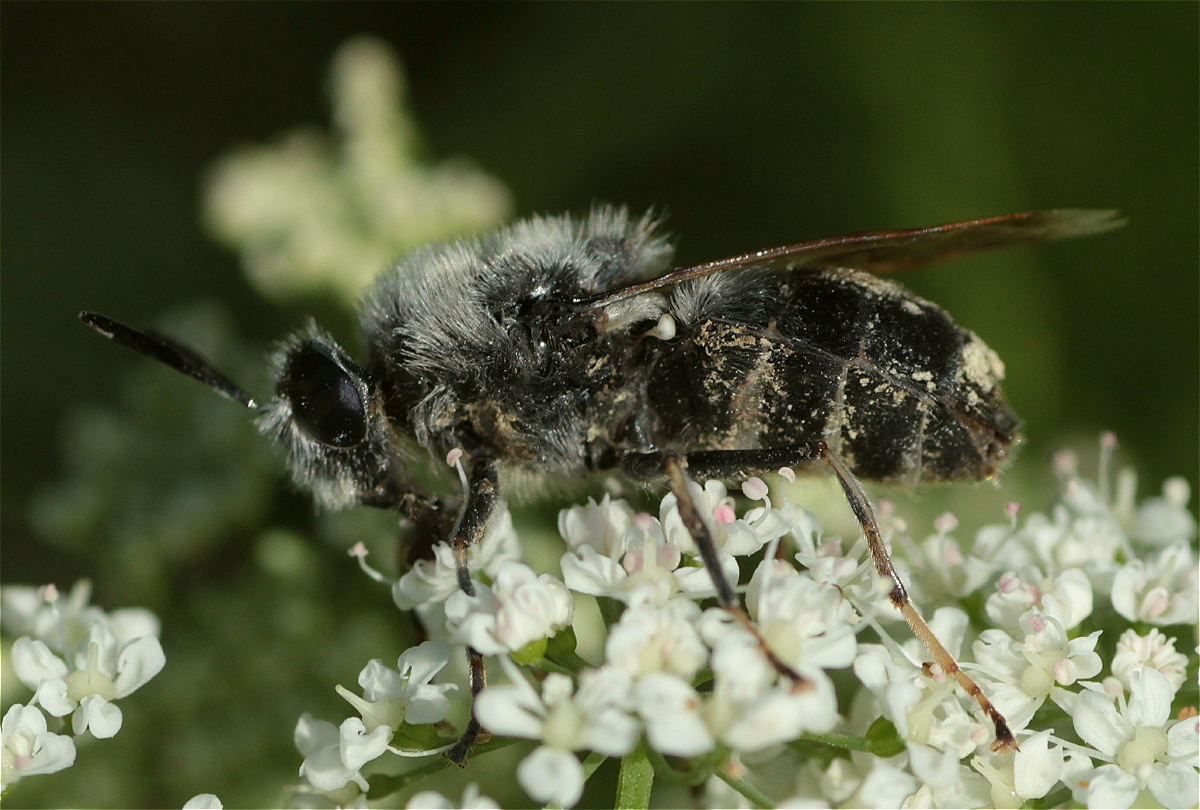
{"x":753,"y":125}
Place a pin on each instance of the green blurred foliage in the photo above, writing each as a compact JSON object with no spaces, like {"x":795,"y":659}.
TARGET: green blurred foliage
{"x":750,"y":125}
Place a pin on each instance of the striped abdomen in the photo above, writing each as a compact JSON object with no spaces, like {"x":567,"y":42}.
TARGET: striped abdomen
{"x":885,"y":378}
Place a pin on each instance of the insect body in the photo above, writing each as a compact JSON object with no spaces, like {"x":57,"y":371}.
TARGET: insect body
{"x":560,"y":348}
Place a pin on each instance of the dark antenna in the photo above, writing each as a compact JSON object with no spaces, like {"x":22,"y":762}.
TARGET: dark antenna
{"x":171,"y":352}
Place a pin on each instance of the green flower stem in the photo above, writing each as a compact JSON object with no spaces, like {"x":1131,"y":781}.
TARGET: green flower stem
{"x":590,"y":763}
{"x":847,"y":741}
{"x":881,"y":739}
{"x":756,"y":796}
{"x":695,"y":770}
{"x":635,"y":780}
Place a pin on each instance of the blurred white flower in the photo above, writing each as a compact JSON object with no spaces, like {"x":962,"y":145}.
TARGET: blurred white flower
{"x":334,"y":755}
{"x":403,"y":695}
{"x":551,"y":776}
{"x":203,"y":801}
{"x":1162,"y":591}
{"x":657,"y":638}
{"x":312,"y":216}
{"x":105,"y":664}
{"x":519,"y":608}
{"x":28,"y":748}
{"x":1163,"y":521}
{"x":944,"y":570}
{"x":881,"y":783}
{"x":945,"y":780}
{"x":594,"y":717}
{"x":63,"y":622}
{"x":1017,"y":592}
{"x":472,"y":799}
{"x":673,"y":713}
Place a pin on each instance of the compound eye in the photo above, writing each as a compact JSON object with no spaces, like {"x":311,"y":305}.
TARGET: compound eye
{"x":325,"y":398}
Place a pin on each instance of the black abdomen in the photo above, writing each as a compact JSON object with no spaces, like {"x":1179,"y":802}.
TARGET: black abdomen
{"x":886,"y":379}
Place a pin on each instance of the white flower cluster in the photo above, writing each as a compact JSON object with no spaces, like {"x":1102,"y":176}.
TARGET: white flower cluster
{"x":658,"y":647}
{"x":390,"y":700}
{"x":690,"y":682}
{"x":78,"y":660}
{"x":1051,"y":587}
{"x":310,"y":216}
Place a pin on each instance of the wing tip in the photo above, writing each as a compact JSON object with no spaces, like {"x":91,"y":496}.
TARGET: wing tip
{"x":1067,"y":223}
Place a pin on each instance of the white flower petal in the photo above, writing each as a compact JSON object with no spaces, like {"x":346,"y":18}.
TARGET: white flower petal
{"x":379,"y":682}
{"x":551,"y":777}
{"x":34,"y":663}
{"x":428,"y":800}
{"x":1111,"y":787}
{"x":325,"y":770}
{"x":52,"y":696}
{"x":1183,"y":740}
{"x":139,"y":661}
{"x":1098,"y":724}
{"x":127,"y":624}
{"x":97,"y":715}
{"x":1175,"y":784}
{"x":203,"y":801}
{"x":312,"y":734}
{"x":1150,"y":698}
{"x":671,"y":709}
{"x":1036,"y":766}
{"x":422,"y":662}
{"x":885,"y":786}
{"x":429,"y":704}
{"x":29,"y":747}
{"x":507,"y":710}
{"x":359,"y":747}
{"x":586,"y":571}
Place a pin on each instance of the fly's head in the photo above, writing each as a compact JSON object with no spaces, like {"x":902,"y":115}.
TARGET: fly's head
{"x":328,"y":416}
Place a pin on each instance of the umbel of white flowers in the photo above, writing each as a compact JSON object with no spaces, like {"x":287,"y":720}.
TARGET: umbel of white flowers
{"x":79,"y":661}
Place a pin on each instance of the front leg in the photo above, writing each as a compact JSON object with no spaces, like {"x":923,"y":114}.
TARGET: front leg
{"x":483,"y":490}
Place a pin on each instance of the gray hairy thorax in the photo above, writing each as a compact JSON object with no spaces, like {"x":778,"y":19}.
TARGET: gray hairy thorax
{"x":474,"y":344}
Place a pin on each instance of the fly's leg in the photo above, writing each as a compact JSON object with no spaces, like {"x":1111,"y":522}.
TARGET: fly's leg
{"x":898,"y":596}
{"x":458,"y":754}
{"x":676,"y":470}
{"x":482,"y":493}
{"x":732,"y":464}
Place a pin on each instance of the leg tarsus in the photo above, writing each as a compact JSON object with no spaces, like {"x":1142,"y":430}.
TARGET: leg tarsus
{"x":458,"y":754}
{"x":898,"y":596}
